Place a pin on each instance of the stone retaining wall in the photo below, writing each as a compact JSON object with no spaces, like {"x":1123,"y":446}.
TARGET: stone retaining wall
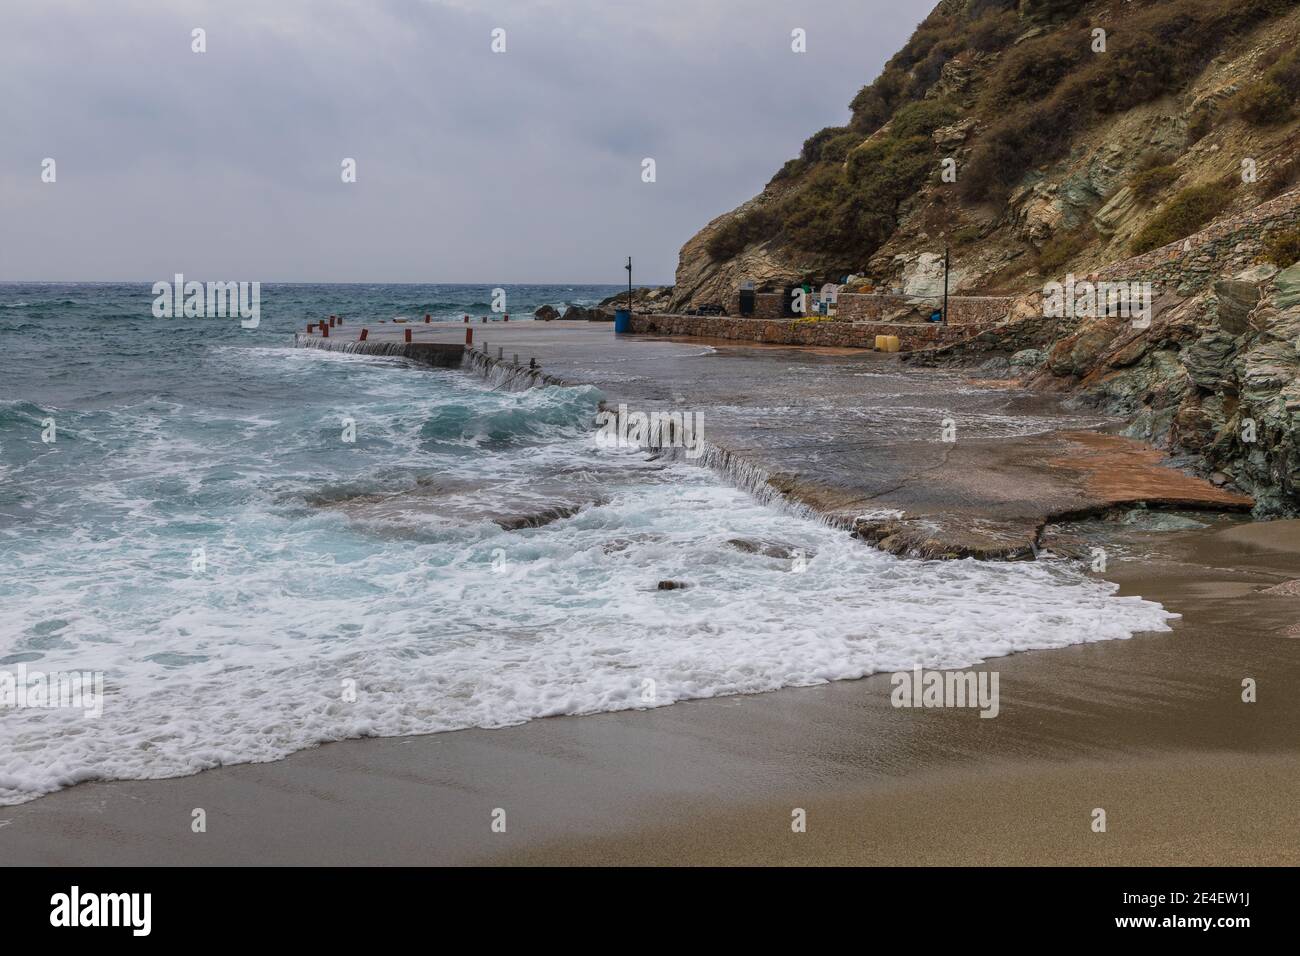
{"x":793,"y":332}
{"x":981,"y":311}
{"x":1224,"y":248}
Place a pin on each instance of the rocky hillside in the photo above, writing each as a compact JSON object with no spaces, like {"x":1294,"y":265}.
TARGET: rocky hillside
{"x":1034,"y":138}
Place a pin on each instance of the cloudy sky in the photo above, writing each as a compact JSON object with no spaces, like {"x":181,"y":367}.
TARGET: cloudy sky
{"x":472,"y":166}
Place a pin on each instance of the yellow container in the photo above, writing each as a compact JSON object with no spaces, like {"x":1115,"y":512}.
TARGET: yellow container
{"x":880,"y":342}
{"x":891,"y":343}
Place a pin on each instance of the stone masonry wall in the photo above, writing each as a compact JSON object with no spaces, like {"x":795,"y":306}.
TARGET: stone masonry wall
{"x":982,"y":311}
{"x":1224,"y":248}
{"x":792,"y":332}
{"x":968,"y":310}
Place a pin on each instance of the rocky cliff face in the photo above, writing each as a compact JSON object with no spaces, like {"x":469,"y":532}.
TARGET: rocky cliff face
{"x":1030,"y":144}
{"x":1214,"y":379}
{"x":1162,"y":150}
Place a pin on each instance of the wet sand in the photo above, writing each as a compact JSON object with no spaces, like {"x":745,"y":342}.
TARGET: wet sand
{"x":1152,"y":729}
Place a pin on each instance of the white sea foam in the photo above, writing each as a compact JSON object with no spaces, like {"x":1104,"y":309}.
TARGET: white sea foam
{"x":445,"y":621}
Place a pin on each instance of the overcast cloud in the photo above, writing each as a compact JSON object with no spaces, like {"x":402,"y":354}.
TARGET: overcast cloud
{"x":471,"y":166}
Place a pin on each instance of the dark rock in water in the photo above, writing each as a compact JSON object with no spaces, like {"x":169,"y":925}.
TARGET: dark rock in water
{"x":644,"y":300}
{"x":673,"y":585}
{"x":769,"y":549}
{"x":578,"y":313}
{"x":547,"y":313}
{"x":538,"y":519}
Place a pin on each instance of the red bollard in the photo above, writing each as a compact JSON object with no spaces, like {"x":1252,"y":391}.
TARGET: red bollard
{"x":469,"y":336}
{"x":311,"y":327}
{"x":331,"y":321}
{"x":467,"y":318}
{"x":507,"y":316}
{"x":324,"y":330}
{"x":364,"y":333}
{"x":426,"y":318}
{"x":340,"y":320}
{"x":408,"y":335}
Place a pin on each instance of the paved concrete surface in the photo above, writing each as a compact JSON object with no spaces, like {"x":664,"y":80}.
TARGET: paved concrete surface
{"x":920,"y":461}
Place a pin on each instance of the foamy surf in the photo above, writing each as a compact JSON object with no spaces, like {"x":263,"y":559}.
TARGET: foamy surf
{"x":368,"y":589}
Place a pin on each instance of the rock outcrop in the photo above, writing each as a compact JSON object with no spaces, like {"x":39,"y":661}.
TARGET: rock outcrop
{"x":1074,"y":213}
{"x":1178,"y":170}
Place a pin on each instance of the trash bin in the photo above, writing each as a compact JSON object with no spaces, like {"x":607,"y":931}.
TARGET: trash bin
{"x":622,"y":320}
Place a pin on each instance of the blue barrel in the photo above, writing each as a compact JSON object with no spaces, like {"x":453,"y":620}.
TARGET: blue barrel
{"x":622,"y":320}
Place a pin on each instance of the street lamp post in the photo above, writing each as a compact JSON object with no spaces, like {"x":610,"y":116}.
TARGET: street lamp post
{"x":945,"y":284}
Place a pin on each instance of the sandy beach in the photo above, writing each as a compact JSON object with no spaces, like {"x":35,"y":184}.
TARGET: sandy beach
{"x":1152,"y":729}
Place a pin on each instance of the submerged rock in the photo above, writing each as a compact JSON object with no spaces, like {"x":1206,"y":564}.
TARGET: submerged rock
{"x":769,"y":549}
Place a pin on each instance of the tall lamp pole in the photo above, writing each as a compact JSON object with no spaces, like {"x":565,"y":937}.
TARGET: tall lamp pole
{"x":945,"y":283}
{"x":628,"y":267}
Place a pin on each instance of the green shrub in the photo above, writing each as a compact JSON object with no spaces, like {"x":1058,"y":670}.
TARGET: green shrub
{"x":928,"y":70}
{"x":977,"y":9}
{"x":1051,"y":8}
{"x":876,"y":102}
{"x":994,"y":30}
{"x":1183,"y":215}
{"x":837,"y":148}
{"x":1262,"y":103}
{"x":1270,"y":100}
{"x":1150,"y":183}
{"x":921,"y":118}
{"x":846,"y":213}
{"x":1030,"y":71}
{"x":1059,"y":250}
{"x":791,"y":170}
{"x":1282,"y":175}
{"x":965,"y":235}
{"x":814,"y":144}
{"x":1282,"y":248}
{"x":1151,"y":52}
{"x":741,"y":231}
{"x":1007,"y":149}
